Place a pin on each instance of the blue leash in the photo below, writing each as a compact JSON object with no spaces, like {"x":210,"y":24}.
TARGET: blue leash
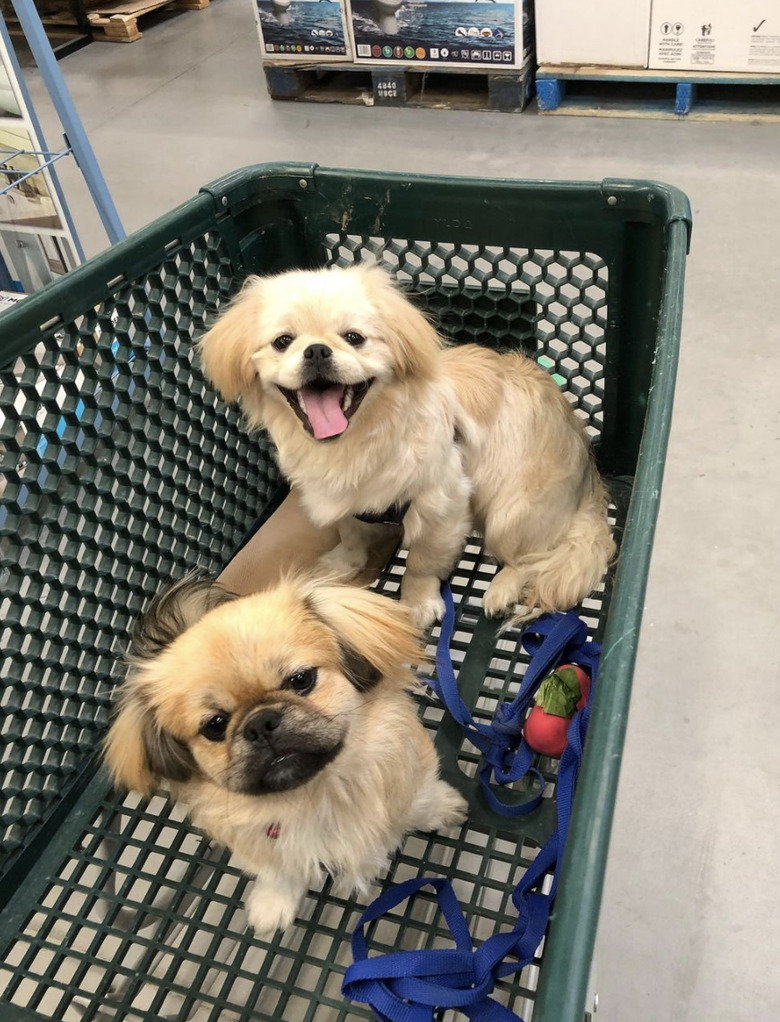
{"x":410,"y":986}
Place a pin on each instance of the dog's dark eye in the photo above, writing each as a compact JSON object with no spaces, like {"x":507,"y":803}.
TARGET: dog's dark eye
{"x":283,"y":341}
{"x":215,"y":727}
{"x":302,"y":682}
{"x":354,"y":338}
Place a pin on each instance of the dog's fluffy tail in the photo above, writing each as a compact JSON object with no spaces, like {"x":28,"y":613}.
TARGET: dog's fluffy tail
{"x":557,"y":579}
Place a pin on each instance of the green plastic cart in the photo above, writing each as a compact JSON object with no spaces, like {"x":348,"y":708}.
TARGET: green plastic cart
{"x":122,"y":469}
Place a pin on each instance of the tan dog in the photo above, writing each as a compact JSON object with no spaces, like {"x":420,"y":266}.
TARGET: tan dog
{"x":369,"y":410}
{"x":284,"y":723}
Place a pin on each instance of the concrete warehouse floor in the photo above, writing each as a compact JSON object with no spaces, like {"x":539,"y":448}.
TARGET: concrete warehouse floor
{"x":690,"y":925}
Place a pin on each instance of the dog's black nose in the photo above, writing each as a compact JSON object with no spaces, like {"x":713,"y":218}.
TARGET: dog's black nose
{"x":262,"y":725}
{"x":317,"y":353}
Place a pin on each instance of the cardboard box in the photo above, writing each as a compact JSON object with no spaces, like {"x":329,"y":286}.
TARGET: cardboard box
{"x":10,"y":298}
{"x":448,"y":33}
{"x":610,"y":33}
{"x":303,"y":29}
{"x":715,"y":35}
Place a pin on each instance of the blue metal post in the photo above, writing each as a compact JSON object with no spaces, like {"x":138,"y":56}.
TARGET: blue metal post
{"x":550,"y":92}
{"x":75,"y":135}
{"x":685,"y":97}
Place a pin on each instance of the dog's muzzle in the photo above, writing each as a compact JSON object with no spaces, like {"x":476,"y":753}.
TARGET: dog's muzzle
{"x":276,"y":755}
{"x":325,"y":406}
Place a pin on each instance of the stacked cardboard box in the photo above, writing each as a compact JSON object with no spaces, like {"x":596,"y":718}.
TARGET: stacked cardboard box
{"x":673,"y":35}
{"x":302,"y":30}
{"x":446,"y":33}
{"x":10,"y":298}
{"x":608,"y":33}
{"x":667,"y":35}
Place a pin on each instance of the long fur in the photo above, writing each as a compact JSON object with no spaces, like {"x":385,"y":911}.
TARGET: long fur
{"x":351,"y":815}
{"x":137,"y":751}
{"x":471,"y":438}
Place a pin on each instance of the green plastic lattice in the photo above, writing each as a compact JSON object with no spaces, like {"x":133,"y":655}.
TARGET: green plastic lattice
{"x":143,"y":919}
{"x":121,"y":468}
{"x":552,"y":305}
{"x":118,"y":472}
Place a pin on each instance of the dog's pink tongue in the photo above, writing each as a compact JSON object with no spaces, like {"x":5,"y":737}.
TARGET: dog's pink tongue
{"x":324,"y":410}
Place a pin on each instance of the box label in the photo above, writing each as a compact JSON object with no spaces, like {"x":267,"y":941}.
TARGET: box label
{"x":715,"y":35}
{"x":765,"y":50}
{"x":434,"y":31}
{"x":305,"y":27}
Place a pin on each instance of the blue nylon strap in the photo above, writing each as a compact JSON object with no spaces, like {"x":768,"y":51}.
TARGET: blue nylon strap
{"x":551,"y":637}
{"x":410,"y":986}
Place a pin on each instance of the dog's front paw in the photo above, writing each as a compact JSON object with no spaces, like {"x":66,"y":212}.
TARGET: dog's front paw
{"x":422,"y":595}
{"x":357,"y":885}
{"x":504,"y":592}
{"x":441,"y":807}
{"x":340,"y":564}
{"x":427,"y":613}
{"x":269,"y":909}
{"x":454,"y":810}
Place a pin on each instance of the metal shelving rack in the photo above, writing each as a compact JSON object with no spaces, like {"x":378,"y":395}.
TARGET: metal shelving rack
{"x":76,"y":142}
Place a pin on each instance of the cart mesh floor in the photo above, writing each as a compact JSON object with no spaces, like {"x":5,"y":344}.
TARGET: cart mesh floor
{"x":143,"y":919}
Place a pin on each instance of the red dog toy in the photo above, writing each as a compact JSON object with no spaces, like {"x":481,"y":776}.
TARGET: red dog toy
{"x":558,"y":698}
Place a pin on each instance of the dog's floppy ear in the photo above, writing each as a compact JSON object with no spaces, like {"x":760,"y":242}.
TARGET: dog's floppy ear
{"x":137,"y":751}
{"x":172,"y":612}
{"x":360,"y":671}
{"x":376,"y":635}
{"x":226,"y":350}
{"x":414,"y":341}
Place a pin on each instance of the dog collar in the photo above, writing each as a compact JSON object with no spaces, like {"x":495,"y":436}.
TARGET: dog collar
{"x":393,"y":515}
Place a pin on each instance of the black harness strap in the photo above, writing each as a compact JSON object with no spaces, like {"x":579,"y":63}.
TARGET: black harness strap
{"x":393,"y":515}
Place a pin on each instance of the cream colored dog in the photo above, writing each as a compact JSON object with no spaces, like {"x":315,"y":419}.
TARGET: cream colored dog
{"x":284,"y":723}
{"x":370,"y":411}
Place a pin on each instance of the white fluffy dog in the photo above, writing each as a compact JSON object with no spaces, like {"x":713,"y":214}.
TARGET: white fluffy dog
{"x":373,"y":416}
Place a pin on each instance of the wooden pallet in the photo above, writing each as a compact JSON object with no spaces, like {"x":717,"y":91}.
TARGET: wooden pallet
{"x":419,"y":85}
{"x":118,"y":22}
{"x":65,"y":23}
{"x":62,"y":38}
{"x":626,"y":92}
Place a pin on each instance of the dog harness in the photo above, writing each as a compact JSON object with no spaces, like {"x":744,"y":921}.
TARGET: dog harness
{"x":393,"y":515}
